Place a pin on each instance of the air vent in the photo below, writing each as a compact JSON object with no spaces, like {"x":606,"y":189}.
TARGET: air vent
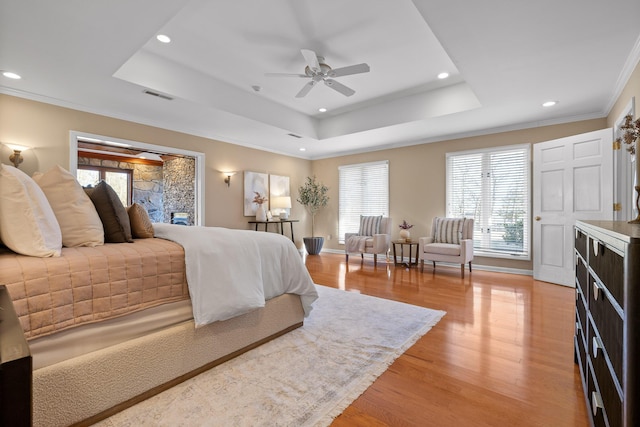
{"x":293,"y":135}
{"x":159,"y":95}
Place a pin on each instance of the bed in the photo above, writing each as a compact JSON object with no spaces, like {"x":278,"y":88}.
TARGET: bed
{"x":109,"y":325}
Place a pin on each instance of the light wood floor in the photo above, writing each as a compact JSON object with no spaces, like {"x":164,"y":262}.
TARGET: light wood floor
{"x":502,"y":355}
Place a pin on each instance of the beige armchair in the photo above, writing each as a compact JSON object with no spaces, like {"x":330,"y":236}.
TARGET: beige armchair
{"x":367,"y":241}
{"x":451,"y":240}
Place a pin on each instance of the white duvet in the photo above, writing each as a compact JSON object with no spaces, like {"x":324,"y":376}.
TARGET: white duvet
{"x":231,"y":272}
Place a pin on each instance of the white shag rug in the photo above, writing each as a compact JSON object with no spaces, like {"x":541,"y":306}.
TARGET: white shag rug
{"x":304,"y":378}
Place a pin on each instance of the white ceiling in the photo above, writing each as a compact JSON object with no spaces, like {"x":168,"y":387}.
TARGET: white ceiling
{"x":505,"y":58}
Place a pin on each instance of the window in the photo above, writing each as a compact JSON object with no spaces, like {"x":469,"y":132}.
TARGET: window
{"x":364,"y":190}
{"x":118,"y":179}
{"x":493,"y":187}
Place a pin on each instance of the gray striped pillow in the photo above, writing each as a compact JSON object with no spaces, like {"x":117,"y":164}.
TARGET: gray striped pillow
{"x":449,"y":230}
{"x":369,"y":225}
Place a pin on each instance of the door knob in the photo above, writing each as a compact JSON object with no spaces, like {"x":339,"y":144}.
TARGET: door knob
{"x":538,"y":218}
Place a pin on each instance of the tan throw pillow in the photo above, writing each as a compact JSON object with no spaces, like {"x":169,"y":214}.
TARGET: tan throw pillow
{"x":141,"y":226}
{"x":28,"y":225}
{"x":79,"y":222}
{"x":114,"y":217}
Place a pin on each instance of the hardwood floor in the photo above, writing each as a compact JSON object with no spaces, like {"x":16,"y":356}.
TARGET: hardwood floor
{"x":501,"y":356}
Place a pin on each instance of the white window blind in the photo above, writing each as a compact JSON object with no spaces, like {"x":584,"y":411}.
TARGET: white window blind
{"x":364,"y":190}
{"x":493,"y":187}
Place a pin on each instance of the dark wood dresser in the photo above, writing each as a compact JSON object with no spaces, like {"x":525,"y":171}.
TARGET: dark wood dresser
{"x":607,"y":333}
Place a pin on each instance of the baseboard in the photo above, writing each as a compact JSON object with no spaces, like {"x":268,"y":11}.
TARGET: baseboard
{"x":475,"y":266}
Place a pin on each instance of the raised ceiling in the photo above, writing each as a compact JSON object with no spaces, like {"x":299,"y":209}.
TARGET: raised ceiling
{"x":504,"y":60}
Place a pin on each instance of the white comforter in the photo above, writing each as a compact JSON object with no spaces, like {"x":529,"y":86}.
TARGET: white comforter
{"x":231,"y":272}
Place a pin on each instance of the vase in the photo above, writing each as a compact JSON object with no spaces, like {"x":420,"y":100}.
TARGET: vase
{"x":261,"y":213}
{"x":405,"y":235}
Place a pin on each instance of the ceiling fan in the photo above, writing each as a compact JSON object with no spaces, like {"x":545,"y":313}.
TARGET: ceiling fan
{"x":318,"y":71}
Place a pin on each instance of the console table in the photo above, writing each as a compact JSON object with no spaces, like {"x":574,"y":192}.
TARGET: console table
{"x":281,"y":222}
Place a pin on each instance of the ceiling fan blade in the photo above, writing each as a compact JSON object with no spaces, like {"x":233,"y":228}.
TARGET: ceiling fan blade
{"x":339,"y":87}
{"x":284,"y":75}
{"x":351,"y":69}
{"x":305,"y":89}
{"x":312,"y":60}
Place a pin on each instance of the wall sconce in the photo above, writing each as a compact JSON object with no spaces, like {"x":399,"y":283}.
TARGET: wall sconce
{"x":227,"y":180}
{"x":16,"y":157}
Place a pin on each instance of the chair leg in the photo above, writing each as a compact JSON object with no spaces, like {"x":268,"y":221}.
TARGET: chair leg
{"x":462,"y":269}
{"x":375,"y":260}
{"x":434,"y":265}
{"x":347,"y":255}
{"x":421,"y":266}
{"x":470,"y":267}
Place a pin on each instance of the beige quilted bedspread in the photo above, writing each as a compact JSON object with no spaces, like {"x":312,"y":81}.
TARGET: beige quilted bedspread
{"x":87,"y":285}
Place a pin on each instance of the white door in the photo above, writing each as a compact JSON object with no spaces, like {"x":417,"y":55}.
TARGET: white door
{"x":572,"y":179}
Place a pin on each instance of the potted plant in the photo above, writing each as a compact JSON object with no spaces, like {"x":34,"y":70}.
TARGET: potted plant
{"x":313,"y":196}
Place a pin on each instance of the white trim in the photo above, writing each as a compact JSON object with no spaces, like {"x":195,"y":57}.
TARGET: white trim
{"x":475,"y":266}
{"x":199,"y":160}
{"x":625,"y":74}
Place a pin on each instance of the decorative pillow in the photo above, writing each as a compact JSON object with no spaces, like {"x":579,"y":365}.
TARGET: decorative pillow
{"x":28,"y":225}
{"x":369,"y":225}
{"x":114,"y":217}
{"x":449,"y":230}
{"x":141,"y":226}
{"x":79,"y":222}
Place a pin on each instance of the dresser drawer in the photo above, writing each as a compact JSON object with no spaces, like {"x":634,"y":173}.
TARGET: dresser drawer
{"x":581,"y":353}
{"x":606,"y":383}
{"x":595,"y":405}
{"x":609,"y":325}
{"x":581,"y":311}
{"x":581,"y":243}
{"x":582,"y":277}
{"x":609,"y":267}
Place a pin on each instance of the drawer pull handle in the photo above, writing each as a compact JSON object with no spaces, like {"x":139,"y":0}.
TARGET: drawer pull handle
{"x":596,"y":402}
{"x":596,"y":245}
{"x":578,"y":328}
{"x":596,"y":291}
{"x":597,"y":345}
{"x":577,"y":293}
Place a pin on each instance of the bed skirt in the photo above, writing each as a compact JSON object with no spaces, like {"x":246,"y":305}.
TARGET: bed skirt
{"x":94,"y":386}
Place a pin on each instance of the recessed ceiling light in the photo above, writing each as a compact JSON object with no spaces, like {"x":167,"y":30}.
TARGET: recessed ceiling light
{"x":322,"y":110}
{"x":163,"y":38}
{"x":10,"y":75}
{"x":303,"y":149}
{"x":549,"y":103}
{"x":443,"y":75}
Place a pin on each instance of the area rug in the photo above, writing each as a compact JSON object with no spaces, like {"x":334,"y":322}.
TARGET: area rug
{"x":304,"y":378}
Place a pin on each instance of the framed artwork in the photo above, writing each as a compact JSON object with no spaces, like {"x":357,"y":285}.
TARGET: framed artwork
{"x":254,"y":182}
{"x":278,"y":190}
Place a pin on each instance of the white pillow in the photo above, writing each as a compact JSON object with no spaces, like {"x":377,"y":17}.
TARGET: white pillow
{"x":28,"y":225}
{"x":79,"y":221}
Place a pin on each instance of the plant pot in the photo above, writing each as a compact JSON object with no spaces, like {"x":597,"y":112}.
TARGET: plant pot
{"x":313,"y":244}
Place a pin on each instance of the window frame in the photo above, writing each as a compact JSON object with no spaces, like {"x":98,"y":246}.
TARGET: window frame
{"x":344,"y":210}
{"x":102,"y":171}
{"x":484,"y":223}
